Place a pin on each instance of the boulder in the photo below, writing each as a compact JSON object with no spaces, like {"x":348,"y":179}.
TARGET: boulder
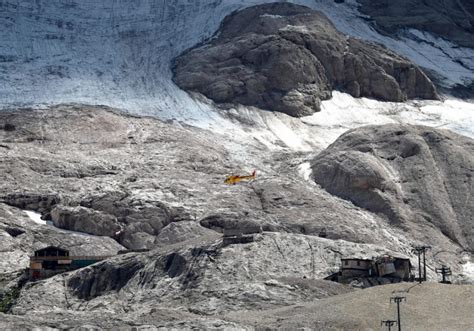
{"x":86,"y":220}
{"x":231,"y":224}
{"x":42,"y":203}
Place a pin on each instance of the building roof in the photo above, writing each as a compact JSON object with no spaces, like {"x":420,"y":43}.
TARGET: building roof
{"x":358,"y":256}
{"x":52,"y":247}
{"x":355,"y":259}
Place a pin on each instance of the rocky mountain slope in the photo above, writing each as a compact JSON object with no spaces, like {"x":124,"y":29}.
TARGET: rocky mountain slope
{"x":119,"y":54}
{"x":405,"y":173}
{"x":103,"y":180}
{"x":288,"y":58}
{"x":121,"y":168}
{"x":134,"y":176}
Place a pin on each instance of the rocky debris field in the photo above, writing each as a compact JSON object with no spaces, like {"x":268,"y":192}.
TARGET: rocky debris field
{"x":124,"y":182}
{"x":287,"y":58}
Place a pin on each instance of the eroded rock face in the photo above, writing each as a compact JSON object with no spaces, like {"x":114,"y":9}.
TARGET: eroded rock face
{"x":275,"y":270}
{"x":132,"y":222}
{"x":42,"y":203}
{"x":451,"y":20}
{"x":108,"y":276}
{"x":288,"y":58}
{"x":167,"y":186}
{"x":20,"y":237}
{"x":409,"y":174}
{"x":85,"y":220}
{"x":180,"y":231}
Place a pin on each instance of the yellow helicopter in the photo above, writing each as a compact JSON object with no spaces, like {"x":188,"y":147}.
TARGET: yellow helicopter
{"x":234,"y":179}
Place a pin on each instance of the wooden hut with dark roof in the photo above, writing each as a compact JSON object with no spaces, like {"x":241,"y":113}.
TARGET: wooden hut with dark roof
{"x":52,"y":260}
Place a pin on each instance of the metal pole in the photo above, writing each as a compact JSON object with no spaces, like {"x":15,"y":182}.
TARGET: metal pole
{"x":444,"y":271}
{"x":418,"y":250}
{"x":419,"y":266}
{"x":424,"y":265}
{"x":397,"y":300}
{"x":398,"y":316}
{"x":388,"y":324}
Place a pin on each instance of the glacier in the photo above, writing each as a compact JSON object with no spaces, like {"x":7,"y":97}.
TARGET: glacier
{"x":119,"y":54}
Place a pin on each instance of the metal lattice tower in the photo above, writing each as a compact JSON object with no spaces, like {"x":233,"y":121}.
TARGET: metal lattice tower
{"x":398,"y":300}
{"x":419,"y":250}
{"x":388,"y":324}
{"x":444,"y":271}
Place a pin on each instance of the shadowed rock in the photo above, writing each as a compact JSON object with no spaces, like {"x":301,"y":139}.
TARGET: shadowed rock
{"x":451,"y":20}
{"x":100,"y":278}
{"x":287,"y":58}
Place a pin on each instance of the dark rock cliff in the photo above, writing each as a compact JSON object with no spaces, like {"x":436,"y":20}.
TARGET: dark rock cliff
{"x":287,"y":58}
{"x":452,"y":20}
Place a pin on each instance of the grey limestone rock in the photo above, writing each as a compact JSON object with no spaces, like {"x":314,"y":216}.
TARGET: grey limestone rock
{"x":180,"y":231}
{"x":287,"y":58}
{"x":85,"y":220}
{"x":108,"y":276}
{"x":20,"y":236}
{"x":167,"y":191}
{"x":410,"y":174}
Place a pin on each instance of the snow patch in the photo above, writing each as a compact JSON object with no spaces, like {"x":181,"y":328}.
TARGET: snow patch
{"x":36,"y":217}
{"x":244,"y":126}
{"x":271,"y":16}
{"x":455,"y":63}
{"x":468,"y":269}
{"x":304,"y":169}
{"x":286,"y":134}
{"x":297,"y":28}
{"x":344,"y":112}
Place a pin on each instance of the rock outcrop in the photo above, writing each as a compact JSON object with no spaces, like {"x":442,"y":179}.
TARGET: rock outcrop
{"x":287,"y":58}
{"x":132,"y":222}
{"x":409,"y":174}
{"x":85,"y":220}
{"x":41,"y":203}
{"x":20,"y":237}
{"x":91,"y":282}
{"x":451,"y":20}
